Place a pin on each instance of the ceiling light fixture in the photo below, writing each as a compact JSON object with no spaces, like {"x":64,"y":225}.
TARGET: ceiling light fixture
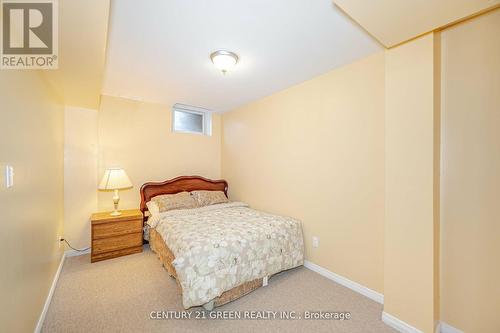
{"x":224,"y":60}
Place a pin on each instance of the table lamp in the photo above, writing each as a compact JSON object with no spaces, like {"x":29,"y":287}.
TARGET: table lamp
{"x":115,"y":179}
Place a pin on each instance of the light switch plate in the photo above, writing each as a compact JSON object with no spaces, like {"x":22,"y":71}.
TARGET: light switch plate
{"x":9,"y":176}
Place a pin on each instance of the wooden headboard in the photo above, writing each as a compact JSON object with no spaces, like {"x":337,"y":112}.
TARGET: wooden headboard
{"x":179,"y":184}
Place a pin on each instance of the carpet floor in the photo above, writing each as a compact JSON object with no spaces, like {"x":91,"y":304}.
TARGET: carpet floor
{"x":118,"y":295}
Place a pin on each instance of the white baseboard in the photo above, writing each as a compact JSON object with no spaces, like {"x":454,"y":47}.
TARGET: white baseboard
{"x":41,"y":319}
{"x":72,"y":253}
{"x":403,"y":327}
{"x":398,"y":324}
{"x":445,"y":328}
{"x":365,"y":291}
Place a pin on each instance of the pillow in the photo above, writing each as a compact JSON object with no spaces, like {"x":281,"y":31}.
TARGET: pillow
{"x":153,"y":208}
{"x":181,"y":200}
{"x":205,"y":198}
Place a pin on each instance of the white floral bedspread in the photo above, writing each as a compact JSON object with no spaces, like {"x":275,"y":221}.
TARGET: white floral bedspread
{"x":219,"y":247}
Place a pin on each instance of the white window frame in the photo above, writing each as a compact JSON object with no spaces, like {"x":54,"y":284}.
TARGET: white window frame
{"x":205,"y":113}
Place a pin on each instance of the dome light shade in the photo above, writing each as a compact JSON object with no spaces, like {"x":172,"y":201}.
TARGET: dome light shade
{"x":224,"y":60}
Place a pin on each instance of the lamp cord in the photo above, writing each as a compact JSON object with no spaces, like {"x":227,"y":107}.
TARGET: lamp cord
{"x":79,"y":250}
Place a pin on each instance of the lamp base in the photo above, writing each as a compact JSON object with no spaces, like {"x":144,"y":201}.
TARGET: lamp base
{"x":116,"y":200}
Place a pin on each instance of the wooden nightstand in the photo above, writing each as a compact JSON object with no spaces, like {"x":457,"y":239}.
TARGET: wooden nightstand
{"x":115,"y":236}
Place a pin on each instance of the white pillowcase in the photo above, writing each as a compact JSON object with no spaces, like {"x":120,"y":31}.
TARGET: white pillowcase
{"x":153,"y":208}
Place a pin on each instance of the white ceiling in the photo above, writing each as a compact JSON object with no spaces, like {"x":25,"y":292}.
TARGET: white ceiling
{"x":158,"y":50}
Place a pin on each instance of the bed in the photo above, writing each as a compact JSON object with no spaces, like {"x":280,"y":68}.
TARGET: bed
{"x":220,"y":252}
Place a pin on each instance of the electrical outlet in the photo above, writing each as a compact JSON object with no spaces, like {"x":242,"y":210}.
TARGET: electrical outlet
{"x":315,"y":241}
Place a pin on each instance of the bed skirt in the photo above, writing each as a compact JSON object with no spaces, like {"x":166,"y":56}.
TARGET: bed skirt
{"x":166,"y":257}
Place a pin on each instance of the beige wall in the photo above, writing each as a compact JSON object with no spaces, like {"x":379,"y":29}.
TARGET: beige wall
{"x":316,"y":152}
{"x":83,"y":29}
{"x":80,"y":173}
{"x":137,"y":136}
{"x":31,"y":212}
{"x":410,"y":214}
{"x":471,"y":175}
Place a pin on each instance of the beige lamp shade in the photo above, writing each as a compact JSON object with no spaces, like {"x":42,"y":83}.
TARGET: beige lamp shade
{"x":115,"y":179}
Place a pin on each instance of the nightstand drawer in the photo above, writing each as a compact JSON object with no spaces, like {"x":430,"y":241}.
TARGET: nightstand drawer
{"x":111,"y":229}
{"x":116,"y":243}
{"x":114,"y":254}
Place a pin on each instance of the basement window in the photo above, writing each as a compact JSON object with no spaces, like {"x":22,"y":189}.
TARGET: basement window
{"x":191,"y":119}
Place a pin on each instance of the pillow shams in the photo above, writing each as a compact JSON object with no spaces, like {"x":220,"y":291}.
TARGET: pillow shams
{"x":206,"y":198}
{"x":166,"y":202}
